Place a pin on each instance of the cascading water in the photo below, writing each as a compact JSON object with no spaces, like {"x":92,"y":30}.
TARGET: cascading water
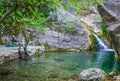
{"x":101,"y":44}
{"x":104,"y":54}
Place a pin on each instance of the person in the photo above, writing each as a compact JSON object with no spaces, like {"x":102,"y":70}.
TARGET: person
{"x":23,"y":42}
{"x":25,"y":47}
{"x":13,"y":40}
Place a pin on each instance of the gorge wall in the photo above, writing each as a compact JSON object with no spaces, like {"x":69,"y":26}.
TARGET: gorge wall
{"x":110,"y":13}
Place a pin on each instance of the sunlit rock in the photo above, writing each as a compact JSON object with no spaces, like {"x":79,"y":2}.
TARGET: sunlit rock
{"x":92,"y":74}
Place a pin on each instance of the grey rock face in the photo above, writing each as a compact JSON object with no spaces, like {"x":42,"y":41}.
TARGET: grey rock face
{"x":58,"y":41}
{"x":110,"y":13}
{"x":113,"y":6}
{"x":92,"y":74}
{"x":54,"y":41}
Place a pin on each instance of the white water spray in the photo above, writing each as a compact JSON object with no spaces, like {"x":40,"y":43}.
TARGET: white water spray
{"x":102,"y":44}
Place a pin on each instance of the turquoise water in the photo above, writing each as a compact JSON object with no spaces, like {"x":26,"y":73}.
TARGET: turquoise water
{"x":56,"y":66}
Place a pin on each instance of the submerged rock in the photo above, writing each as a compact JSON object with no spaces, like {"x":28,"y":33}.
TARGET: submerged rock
{"x":92,"y":74}
{"x":5,"y":72}
{"x":58,"y":59}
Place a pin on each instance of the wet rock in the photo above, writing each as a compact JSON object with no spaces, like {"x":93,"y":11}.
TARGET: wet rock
{"x":58,"y":59}
{"x":92,"y":74}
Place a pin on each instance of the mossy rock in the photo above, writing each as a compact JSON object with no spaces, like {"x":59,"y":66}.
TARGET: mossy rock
{"x":38,"y":43}
{"x":38,"y":52}
{"x":94,"y":43}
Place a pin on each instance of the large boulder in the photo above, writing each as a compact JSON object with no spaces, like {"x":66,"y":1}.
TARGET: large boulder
{"x":92,"y":74}
{"x":74,"y":38}
{"x":110,"y":13}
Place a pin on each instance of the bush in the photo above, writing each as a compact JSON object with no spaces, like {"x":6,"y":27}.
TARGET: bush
{"x":69,"y":27}
{"x":104,"y":30}
{"x":2,"y":42}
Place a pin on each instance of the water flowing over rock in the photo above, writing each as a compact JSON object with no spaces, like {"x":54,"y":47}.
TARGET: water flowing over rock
{"x":54,"y":39}
{"x":92,"y":74}
{"x":110,"y":13}
{"x":101,"y":45}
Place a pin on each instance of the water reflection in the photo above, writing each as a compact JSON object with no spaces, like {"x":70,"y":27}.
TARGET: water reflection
{"x":105,"y":60}
{"x":117,"y":66}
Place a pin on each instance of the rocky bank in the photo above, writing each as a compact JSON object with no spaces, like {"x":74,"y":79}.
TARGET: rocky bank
{"x":11,"y":53}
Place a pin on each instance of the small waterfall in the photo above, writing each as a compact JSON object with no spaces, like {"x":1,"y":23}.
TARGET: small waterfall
{"x":101,"y":44}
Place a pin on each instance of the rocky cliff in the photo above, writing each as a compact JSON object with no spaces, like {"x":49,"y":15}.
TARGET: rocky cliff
{"x":66,"y":33}
{"x":110,"y":13}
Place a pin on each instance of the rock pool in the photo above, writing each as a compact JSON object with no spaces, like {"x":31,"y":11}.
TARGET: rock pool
{"x":56,"y":66}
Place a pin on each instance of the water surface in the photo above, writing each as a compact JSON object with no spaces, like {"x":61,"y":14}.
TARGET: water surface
{"x":56,"y":66}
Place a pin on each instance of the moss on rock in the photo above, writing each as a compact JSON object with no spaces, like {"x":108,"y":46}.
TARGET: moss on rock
{"x":94,"y":42}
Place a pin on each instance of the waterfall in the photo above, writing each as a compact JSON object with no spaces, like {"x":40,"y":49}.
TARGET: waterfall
{"x":101,"y":44}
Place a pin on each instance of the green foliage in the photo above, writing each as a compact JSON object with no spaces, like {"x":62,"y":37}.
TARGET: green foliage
{"x":65,"y":27}
{"x":35,"y":13}
{"x":97,"y":18}
{"x":81,"y":6}
{"x":2,"y":42}
{"x":69,"y":27}
{"x":104,"y":30}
